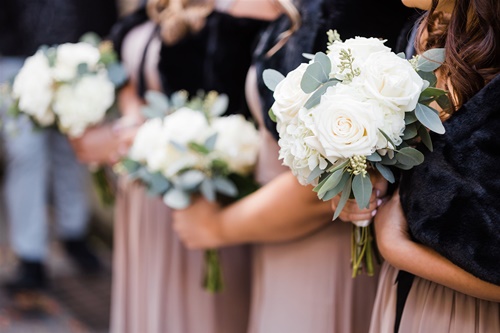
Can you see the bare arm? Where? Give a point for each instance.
(281, 210)
(267, 10)
(397, 248)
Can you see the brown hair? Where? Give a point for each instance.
(471, 37)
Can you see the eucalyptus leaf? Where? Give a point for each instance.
(362, 188)
(316, 97)
(325, 62)
(271, 78)
(157, 101)
(431, 60)
(150, 113)
(314, 174)
(425, 137)
(158, 184)
(308, 56)
(82, 69)
(313, 78)
(179, 146)
(386, 160)
(410, 131)
(337, 189)
(130, 166)
(444, 102)
(272, 116)
(375, 157)
(220, 106)
(177, 199)
(338, 166)
(346, 192)
(91, 38)
(410, 118)
(429, 77)
(432, 92)
(226, 187)
(117, 74)
(190, 179)
(403, 166)
(144, 175)
(331, 182)
(385, 172)
(211, 141)
(179, 99)
(389, 140)
(207, 189)
(429, 118)
(409, 156)
(196, 147)
(402, 55)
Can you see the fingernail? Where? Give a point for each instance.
(379, 202)
(374, 213)
(378, 193)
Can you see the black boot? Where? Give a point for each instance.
(82, 256)
(31, 276)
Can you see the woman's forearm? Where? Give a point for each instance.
(280, 211)
(266, 10)
(428, 264)
(129, 102)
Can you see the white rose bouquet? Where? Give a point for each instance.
(357, 108)
(71, 86)
(193, 150)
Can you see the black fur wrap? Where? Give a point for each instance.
(452, 200)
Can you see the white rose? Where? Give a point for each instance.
(147, 140)
(33, 87)
(186, 125)
(288, 95)
(237, 142)
(361, 48)
(391, 80)
(70, 55)
(345, 127)
(295, 151)
(83, 104)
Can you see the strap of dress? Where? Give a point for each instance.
(141, 77)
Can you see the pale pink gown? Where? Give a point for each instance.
(431, 307)
(156, 281)
(304, 285)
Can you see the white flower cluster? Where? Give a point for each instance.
(55, 92)
(163, 145)
(350, 115)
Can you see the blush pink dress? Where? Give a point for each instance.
(156, 281)
(304, 285)
(431, 307)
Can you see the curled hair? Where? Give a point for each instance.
(295, 21)
(178, 18)
(472, 43)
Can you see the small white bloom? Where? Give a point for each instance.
(288, 95)
(186, 125)
(147, 140)
(33, 87)
(70, 55)
(83, 104)
(237, 142)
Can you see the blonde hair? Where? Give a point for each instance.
(293, 14)
(178, 18)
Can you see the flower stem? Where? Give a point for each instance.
(362, 251)
(213, 274)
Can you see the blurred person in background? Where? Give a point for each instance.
(157, 282)
(40, 163)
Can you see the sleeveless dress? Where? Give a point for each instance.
(431, 307)
(304, 285)
(156, 281)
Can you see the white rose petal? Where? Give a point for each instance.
(186, 125)
(70, 55)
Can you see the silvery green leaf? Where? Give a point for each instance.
(211, 141)
(272, 116)
(157, 101)
(179, 99)
(271, 78)
(431, 60)
(91, 38)
(425, 137)
(325, 62)
(314, 174)
(362, 188)
(220, 106)
(409, 156)
(316, 97)
(431, 92)
(151, 113)
(410, 131)
(207, 189)
(346, 192)
(313, 78)
(403, 166)
(177, 199)
(82, 69)
(308, 56)
(385, 172)
(338, 166)
(130, 166)
(225, 186)
(158, 184)
(196, 147)
(179, 146)
(144, 175)
(375, 157)
(410, 118)
(402, 55)
(190, 179)
(429, 77)
(444, 102)
(389, 140)
(386, 160)
(117, 74)
(336, 190)
(429, 118)
(331, 182)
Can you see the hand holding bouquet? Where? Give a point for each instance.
(193, 150)
(360, 107)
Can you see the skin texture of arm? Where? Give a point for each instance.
(266, 10)
(400, 251)
(281, 210)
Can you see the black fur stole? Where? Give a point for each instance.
(452, 200)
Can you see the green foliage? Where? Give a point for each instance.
(316, 97)
(385, 172)
(362, 189)
(429, 118)
(409, 157)
(431, 60)
(272, 78)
